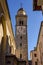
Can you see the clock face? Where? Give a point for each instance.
(21, 30)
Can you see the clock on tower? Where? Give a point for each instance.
(21, 30)
(21, 35)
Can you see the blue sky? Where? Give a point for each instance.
(33, 22)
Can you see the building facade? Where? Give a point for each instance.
(40, 45)
(33, 55)
(21, 35)
(37, 54)
(7, 41)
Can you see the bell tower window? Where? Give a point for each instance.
(20, 37)
(20, 44)
(20, 22)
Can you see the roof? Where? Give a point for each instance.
(21, 11)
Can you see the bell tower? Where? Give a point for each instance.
(21, 35)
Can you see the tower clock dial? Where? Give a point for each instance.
(21, 30)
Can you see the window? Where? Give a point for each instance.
(35, 55)
(10, 49)
(8, 62)
(36, 63)
(20, 56)
(20, 44)
(20, 37)
(20, 22)
(42, 35)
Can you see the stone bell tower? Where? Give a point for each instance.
(21, 35)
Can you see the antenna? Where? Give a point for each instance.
(21, 5)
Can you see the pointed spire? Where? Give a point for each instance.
(21, 5)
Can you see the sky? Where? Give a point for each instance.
(33, 21)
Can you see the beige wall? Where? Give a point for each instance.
(1, 32)
(38, 55)
(33, 56)
(39, 48)
(8, 25)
